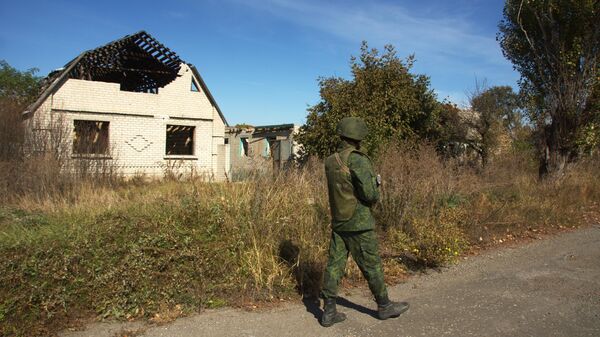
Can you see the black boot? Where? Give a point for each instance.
(389, 309)
(330, 313)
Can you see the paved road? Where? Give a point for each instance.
(546, 288)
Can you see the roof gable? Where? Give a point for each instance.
(138, 62)
(207, 92)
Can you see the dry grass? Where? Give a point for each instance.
(164, 249)
(134, 250)
(35, 161)
(435, 208)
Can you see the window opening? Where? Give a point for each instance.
(90, 137)
(266, 148)
(180, 140)
(244, 147)
(194, 86)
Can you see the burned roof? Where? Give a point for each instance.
(138, 62)
(277, 127)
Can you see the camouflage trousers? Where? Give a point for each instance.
(365, 251)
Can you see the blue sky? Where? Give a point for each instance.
(261, 59)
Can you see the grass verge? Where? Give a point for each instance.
(165, 249)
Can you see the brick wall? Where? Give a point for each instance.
(138, 122)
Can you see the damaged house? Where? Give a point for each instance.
(262, 147)
(135, 103)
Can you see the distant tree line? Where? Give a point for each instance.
(553, 44)
(398, 105)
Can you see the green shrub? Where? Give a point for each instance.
(162, 249)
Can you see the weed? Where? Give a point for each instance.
(169, 248)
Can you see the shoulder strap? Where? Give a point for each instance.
(360, 153)
(344, 167)
(345, 154)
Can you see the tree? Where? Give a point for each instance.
(394, 103)
(497, 110)
(554, 44)
(19, 86)
(17, 89)
(453, 132)
(588, 137)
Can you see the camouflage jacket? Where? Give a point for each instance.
(365, 190)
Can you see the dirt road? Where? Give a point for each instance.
(546, 288)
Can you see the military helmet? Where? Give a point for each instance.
(353, 128)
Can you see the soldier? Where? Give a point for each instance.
(353, 190)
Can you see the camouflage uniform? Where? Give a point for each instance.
(353, 223)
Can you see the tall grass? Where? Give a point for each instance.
(35, 159)
(141, 248)
(423, 194)
(131, 251)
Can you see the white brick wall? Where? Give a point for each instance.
(138, 122)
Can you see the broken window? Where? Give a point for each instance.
(266, 151)
(194, 86)
(180, 140)
(90, 137)
(244, 147)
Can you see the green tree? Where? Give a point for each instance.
(554, 44)
(17, 90)
(496, 110)
(588, 137)
(394, 103)
(453, 131)
(21, 87)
